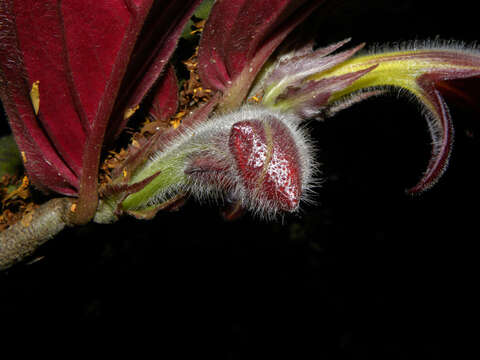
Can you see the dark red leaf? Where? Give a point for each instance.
(155, 46)
(240, 35)
(74, 50)
(78, 53)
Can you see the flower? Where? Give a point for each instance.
(305, 83)
(73, 73)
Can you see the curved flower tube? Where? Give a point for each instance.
(423, 70)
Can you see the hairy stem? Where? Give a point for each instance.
(23, 238)
(171, 167)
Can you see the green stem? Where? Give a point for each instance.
(171, 178)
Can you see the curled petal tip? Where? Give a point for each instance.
(423, 73)
(442, 132)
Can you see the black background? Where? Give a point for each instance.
(369, 272)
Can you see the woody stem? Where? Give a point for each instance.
(23, 238)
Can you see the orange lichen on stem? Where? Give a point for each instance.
(193, 92)
(191, 95)
(15, 204)
(256, 99)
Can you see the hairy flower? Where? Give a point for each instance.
(256, 156)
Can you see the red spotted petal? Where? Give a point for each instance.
(268, 162)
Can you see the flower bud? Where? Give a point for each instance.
(267, 161)
(256, 157)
